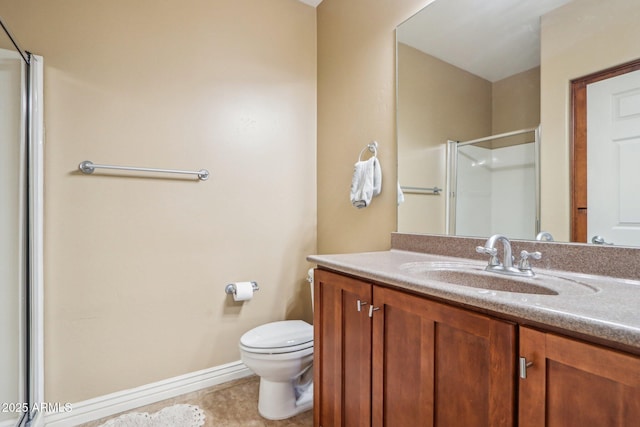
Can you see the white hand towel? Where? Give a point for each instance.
(366, 182)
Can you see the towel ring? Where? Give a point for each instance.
(373, 147)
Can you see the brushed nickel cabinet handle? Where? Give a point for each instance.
(523, 367)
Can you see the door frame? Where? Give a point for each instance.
(578, 145)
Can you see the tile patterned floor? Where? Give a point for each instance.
(233, 404)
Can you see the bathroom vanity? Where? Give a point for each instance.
(414, 336)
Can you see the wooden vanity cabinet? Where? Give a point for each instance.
(403, 360)
(573, 383)
(342, 351)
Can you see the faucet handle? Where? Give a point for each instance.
(485, 250)
(524, 259)
(493, 252)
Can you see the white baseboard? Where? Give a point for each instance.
(110, 404)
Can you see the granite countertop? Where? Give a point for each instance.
(603, 308)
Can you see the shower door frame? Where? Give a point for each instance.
(32, 327)
(35, 149)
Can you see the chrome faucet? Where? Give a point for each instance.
(506, 266)
(544, 236)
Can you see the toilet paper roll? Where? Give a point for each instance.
(244, 291)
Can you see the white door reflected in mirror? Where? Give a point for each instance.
(613, 160)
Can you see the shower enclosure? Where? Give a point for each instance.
(493, 185)
(20, 231)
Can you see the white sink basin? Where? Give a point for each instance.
(474, 276)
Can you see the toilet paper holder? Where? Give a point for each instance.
(231, 288)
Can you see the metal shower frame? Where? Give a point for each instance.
(33, 341)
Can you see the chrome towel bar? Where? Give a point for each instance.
(88, 167)
(421, 190)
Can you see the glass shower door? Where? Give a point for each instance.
(13, 233)
(493, 186)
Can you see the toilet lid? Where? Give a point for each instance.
(284, 334)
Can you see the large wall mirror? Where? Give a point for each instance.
(493, 80)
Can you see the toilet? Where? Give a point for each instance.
(281, 354)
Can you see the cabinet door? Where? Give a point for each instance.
(436, 365)
(572, 383)
(342, 351)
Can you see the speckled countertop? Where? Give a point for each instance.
(603, 308)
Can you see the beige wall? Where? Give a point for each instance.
(436, 102)
(516, 102)
(136, 266)
(578, 39)
(356, 104)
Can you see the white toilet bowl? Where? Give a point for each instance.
(279, 353)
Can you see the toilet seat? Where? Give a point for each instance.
(278, 337)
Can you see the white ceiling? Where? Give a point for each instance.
(313, 3)
(492, 39)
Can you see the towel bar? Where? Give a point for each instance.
(88, 167)
(421, 190)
